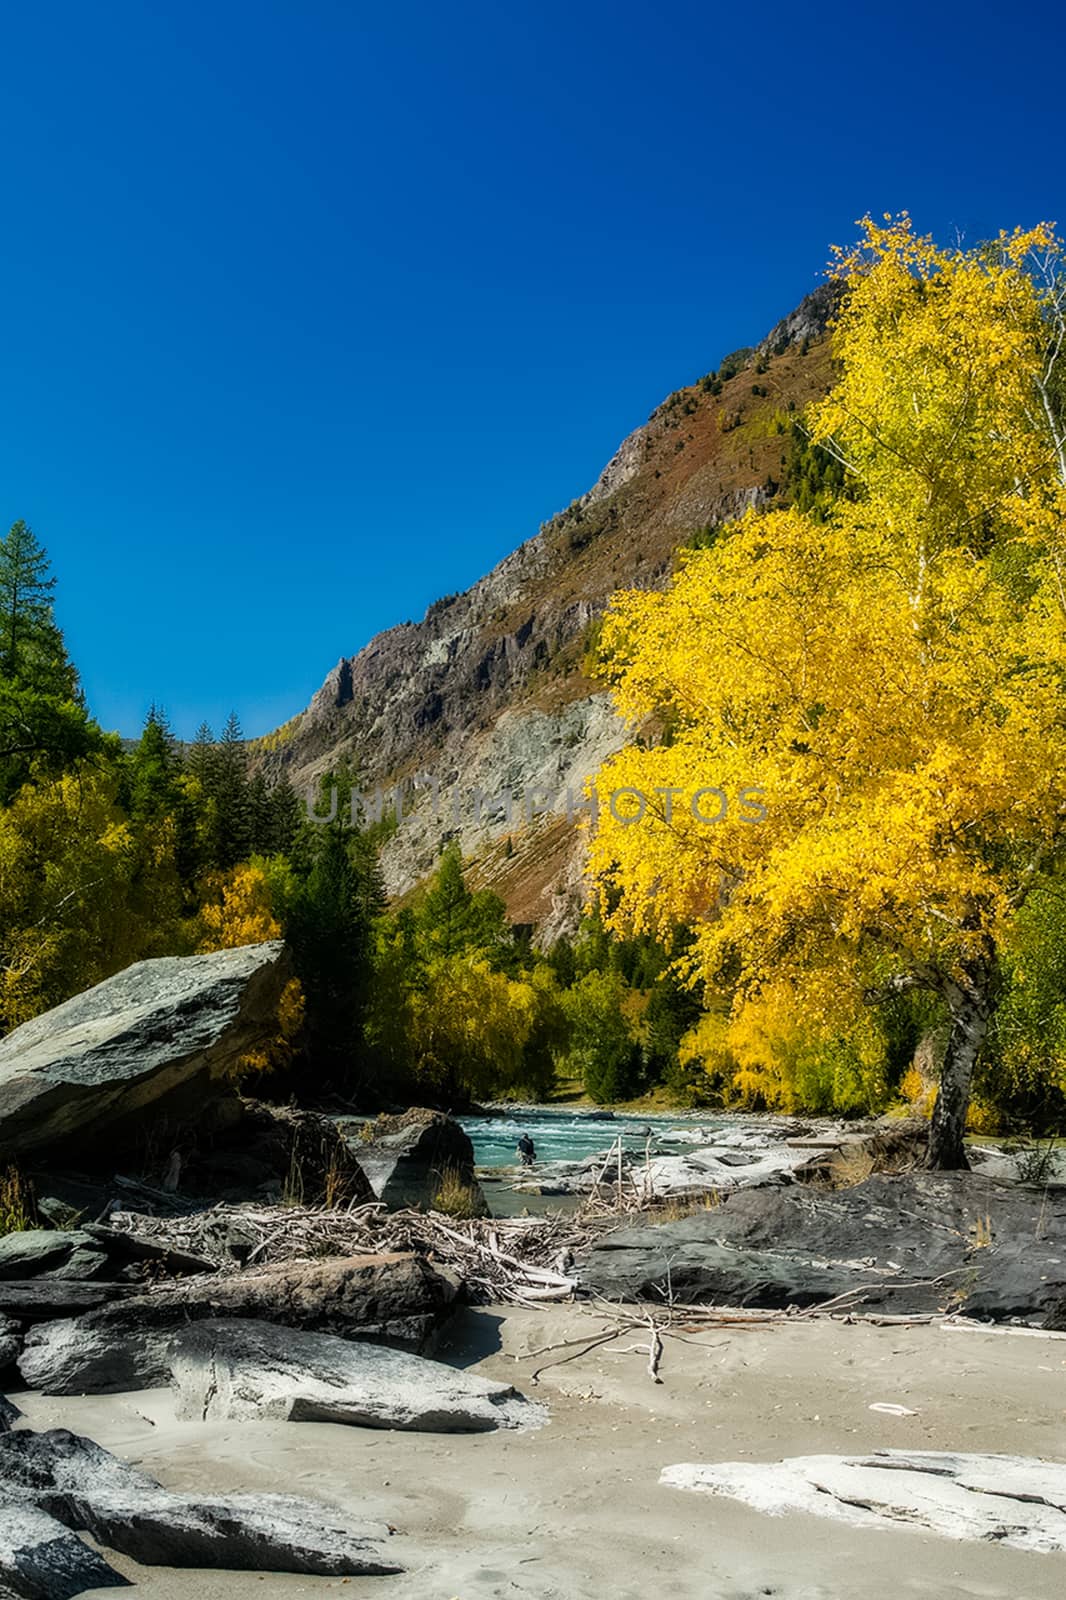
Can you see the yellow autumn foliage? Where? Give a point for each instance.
(891, 680)
(237, 909)
(80, 895)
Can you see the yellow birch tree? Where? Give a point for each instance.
(892, 679)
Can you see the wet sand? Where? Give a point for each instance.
(574, 1511)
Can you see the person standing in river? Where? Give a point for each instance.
(527, 1150)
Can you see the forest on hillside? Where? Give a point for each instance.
(885, 656)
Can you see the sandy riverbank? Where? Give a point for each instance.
(575, 1512)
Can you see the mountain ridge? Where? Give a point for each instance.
(489, 691)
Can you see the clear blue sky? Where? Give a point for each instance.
(315, 310)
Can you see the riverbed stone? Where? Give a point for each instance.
(407, 1157)
(40, 1559)
(53, 1253)
(242, 1370)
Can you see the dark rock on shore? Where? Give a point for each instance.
(409, 1156)
(46, 1299)
(268, 1151)
(399, 1299)
(42, 1560)
(914, 1243)
(153, 1043)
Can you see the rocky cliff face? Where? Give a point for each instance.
(488, 694)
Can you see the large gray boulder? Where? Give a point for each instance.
(161, 1036)
(408, 1157)
(400, 1298)
(84, 1488)
(238, 1370)
(913, 1243)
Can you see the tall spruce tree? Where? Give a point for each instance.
(42, 717)
(32, 653)
(327, 922)
(454, 920)
(155, 768)
(228, 791)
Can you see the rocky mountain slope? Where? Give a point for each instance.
(489, 693)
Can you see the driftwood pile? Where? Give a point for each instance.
(516, 1260)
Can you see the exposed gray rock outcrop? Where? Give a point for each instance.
(916, 1242)
(86, 1489)
(225, 1371)
(809, 321)
(1011, 1500)
(399, 1298)
(159, 1037)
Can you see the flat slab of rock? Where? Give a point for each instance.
(237, 1370)
(1002, 1499)
(913, 1243)
(161, 1035)
(45, 1252)
(40, 1559)
(400, 1299)
(60, 1476)
(44, 1299)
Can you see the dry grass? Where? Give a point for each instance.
(17, 1210)
(454, 1198)
(335, 1191)
(851, 1165)
(686, 1206)
(981, 1233)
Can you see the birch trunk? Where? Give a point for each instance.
(970, 1004)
